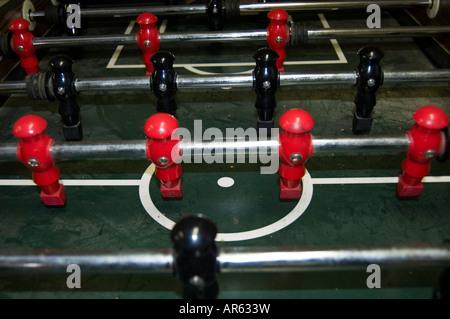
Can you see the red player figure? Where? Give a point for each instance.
(426, 142)
(148, 38)
(278, 34)
(22, 44)
(160, 150)
(34, 151)
(295, 148)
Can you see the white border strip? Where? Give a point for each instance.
(75, 182)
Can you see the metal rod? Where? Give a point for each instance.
(219, 36)
(134, 83)
(84, 40)
(8, 152)
(214, 36)
(164, 37)
(99, 150)
(331, 5)
(291, 79)
(350, 144)
(395, 32)
(246, 80)
(238, 80)
(245, 8)
(13, 86)
(331, 258)
(416, 76)
(190, 149)
(135, 11)
(232, 259)
(213, 81)
(155, 261)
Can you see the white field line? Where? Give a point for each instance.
(315, 181)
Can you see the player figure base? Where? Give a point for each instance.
(361, 125)
(405, 190)
(73, 133)
(55, 199)
(290, 193)
(172, 192)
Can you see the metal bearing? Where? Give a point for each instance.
(433, 10)
(27, 9)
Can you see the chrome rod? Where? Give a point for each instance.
(98, 150)
(219, 36)
(246, 80)
(135, 11)
(331, 5)
(8, 152)
(13, 86)
(213, 36)
(213, 81)
(394, 32)
(361, 144)
(441, 75)
(289, 79)
(134, 83)
(232, 259)
(86, 150)
(245, 8)
(332, 258)
(41, 42)
(238, 80)
(84, 40)
(48, 260)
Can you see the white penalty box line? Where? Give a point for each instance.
(112, 64)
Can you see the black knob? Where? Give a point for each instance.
(196, 263)
(369, 80)
(163, 82)
(266, 81)
(63, 80)
(216, 14)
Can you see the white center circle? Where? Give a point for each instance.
(225, 182)
(299, 209)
